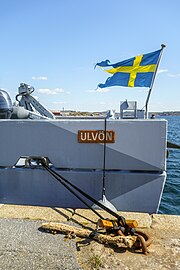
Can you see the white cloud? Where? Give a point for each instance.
(47, 91)
(103, 90)
(40, 78)
(99, 90)
(91, 91)
(58, 90)
(143, 90)
(162, 71)
(174, 75)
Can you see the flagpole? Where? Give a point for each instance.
(153, 79)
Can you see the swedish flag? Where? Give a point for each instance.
(134, 72)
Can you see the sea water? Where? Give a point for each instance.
(170, 203)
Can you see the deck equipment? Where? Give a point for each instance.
(119, 226)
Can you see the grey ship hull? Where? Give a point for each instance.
(135, 162)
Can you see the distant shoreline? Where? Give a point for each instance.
(169, 113)
(81, 113)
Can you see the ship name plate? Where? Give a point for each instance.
(96, 136)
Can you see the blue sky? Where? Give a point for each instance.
(53, 45)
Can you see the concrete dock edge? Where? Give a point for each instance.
(164, 229)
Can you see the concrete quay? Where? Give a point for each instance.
(24, 246)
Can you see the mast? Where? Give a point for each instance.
(152, 83)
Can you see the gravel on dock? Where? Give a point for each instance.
(23, 246)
